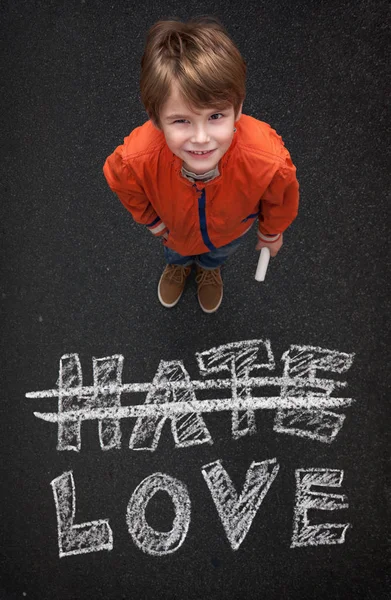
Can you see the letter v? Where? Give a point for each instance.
(237, 513)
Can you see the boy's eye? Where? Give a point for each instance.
(215, 114)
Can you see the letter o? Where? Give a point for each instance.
(144, 536)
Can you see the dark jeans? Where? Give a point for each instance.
(208, 260)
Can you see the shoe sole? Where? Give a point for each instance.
(212, 310)
(161, 299)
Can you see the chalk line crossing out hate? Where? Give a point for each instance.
(301, 405)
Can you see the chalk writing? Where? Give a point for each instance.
(239, 359)
(236, 512)
(187, 430)
(77, 539)
(145, 537)
(305, 534)
(302, 406)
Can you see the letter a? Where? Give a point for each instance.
(171, 383)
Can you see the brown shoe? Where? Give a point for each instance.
(210, 289)
(171, 284)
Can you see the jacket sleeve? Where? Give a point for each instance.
(121, 179)
(279, 203)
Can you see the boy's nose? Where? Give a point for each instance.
(200, 135)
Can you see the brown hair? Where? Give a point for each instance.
(200, 57)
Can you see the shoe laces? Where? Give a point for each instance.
(177, 273)
(209, 277)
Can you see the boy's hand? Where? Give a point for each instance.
(273, 246)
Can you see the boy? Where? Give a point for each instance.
(199, 172)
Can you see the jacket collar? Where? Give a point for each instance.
(204, 177)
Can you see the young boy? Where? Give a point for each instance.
(193, 87)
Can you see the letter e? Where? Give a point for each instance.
(305, 534)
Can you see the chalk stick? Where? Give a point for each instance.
(263, 262)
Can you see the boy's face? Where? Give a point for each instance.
(205, 130)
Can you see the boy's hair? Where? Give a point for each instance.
(200, 57)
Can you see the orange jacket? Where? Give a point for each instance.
(256, 179)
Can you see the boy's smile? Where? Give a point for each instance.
(204, 159)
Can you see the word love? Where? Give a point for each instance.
(301, 406)
(236, 512)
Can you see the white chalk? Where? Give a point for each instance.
(237, 512)
(263, 262)
(91, 536)
(304, 404)
(306, 533)
(150, 541)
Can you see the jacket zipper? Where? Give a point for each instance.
(202, 219)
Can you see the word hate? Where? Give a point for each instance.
(301, 406)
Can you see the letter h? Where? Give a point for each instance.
(79, 401)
